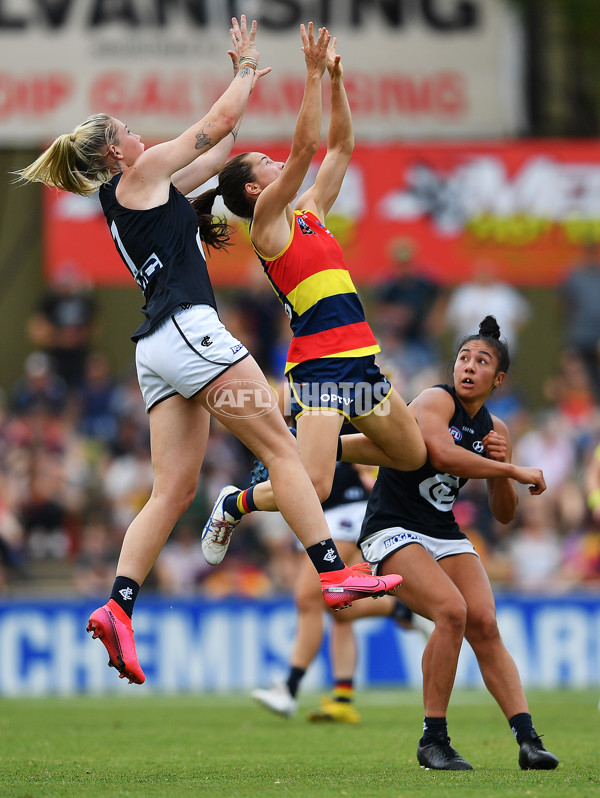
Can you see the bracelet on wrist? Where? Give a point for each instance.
(249, 62)
(593, 499)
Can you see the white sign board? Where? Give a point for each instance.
(413, 68)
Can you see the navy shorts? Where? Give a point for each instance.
(352, 386)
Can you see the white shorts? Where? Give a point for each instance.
(184, 354)
(379, 546)
(345, 521)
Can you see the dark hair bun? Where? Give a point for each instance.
(489, 328)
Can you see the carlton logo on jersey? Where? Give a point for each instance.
(440, 490)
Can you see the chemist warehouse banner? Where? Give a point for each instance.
(529, 206)
(221, 646)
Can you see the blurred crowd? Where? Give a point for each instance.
(75, 461)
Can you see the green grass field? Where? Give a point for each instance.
(214, 745)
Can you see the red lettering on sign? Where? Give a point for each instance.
(117, 94)
(441, 94)
(293, 92)
(33, 95)
(362, 95)
(108, 92)
(451, 93)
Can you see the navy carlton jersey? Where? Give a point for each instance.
(161, 248)
(422, 500)
(347, 487)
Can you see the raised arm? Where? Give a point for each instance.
(212, 161)
(433, 410)
(206, 165)
(274, 198)
(340, 143)
(150, 177)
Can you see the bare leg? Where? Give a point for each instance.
(178, 433)
(343, 651)
(261, 427)
(497, 667)
(343, 641)
(267, 435)
(310, 606)
(426, 589)
(389, 437)
(317, 440)
(393, 438)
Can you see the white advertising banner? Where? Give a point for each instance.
(413, 68)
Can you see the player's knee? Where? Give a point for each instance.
(412, 456)
(309, 601)
(453, 615)
(322, 486)
(182, 495)
(483, 628)
(284, 448)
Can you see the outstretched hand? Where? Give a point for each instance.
(244, 44)
(334, 61)
(315, 52)
(245, 47)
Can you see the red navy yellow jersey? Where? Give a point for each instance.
(311, 280)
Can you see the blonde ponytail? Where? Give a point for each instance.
(78, 161)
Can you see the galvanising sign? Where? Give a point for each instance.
(442, 68)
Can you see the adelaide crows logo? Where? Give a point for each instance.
(304, 228)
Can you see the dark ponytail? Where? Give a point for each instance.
(232, 187)
(490, 331)
(232, 182)
(215, 232)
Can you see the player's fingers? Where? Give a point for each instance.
(252, 35)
